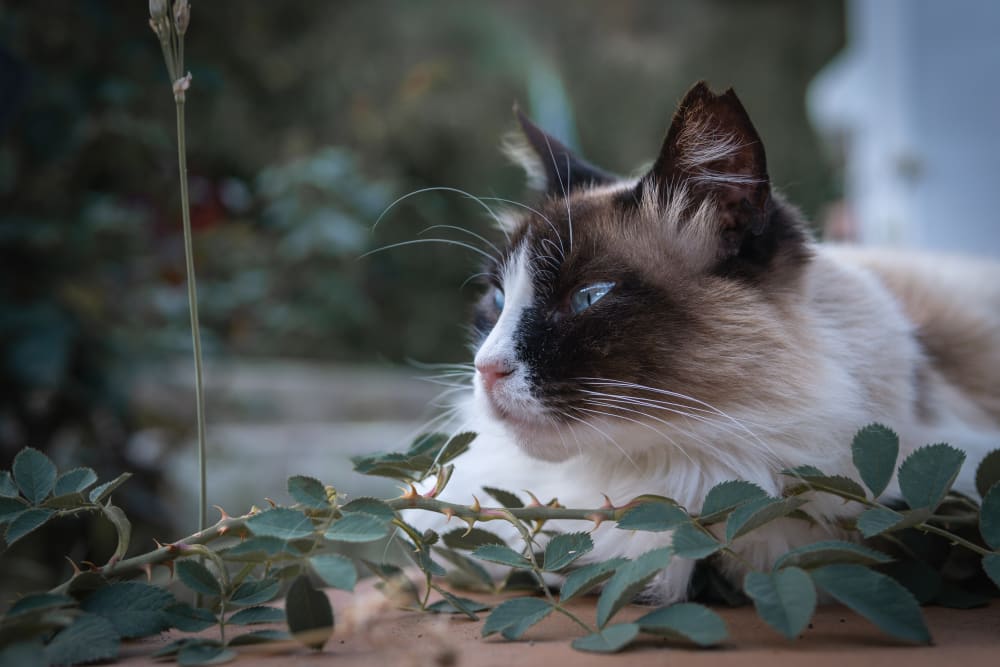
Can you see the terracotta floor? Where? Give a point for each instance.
(368, 634)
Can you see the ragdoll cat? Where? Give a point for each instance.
(667, 333)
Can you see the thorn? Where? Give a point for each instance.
(476, 507)
(411, 493)
(170, 566)
(608, 505)
(271, 502)
(76, 569)
(159, 545)
(91, 566)
(254, 510)
(222, 512)
(534, 499)
(223, 530)
(597, 518)
(148, 569)
(472, 524)
(448, 512)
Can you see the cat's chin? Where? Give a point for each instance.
(538, 437)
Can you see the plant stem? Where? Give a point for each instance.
(955, 539)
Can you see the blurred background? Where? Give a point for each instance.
(306, 120)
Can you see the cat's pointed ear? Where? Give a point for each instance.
(713, 151)
(551, 166)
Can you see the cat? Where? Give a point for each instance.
(666, 333)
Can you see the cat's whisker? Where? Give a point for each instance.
(442, 188)
(536, 212)
(606, 436)
(468, 280)
(645, 425)
(480, 237)
(461, 244)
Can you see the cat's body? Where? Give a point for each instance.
(667, 334)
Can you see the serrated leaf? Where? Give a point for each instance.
(877, 520)
(186, 618)
(498, 553)
(928, 473)
(757, 513)
(255, 592)
(877, 597)
(310, 616)
(123, 528)
(686, 620)
(875, 449)
(830, 552)
(611, 639)
(7, 487)
(39, 602)
(690, 542)
(25, 523)
(372, 506)
(90, 638)
(193, 655)
(259, 547)
(134, 609)
(505, 498)
(358, 527)
(723, 498)
(335, 570)
(65, 501)
(836, 484)
(197, 577)
(654, 517)
(427, 444)
(989, 517)
(587, 577)
(987, 473)
(255, 615)
(99, 493)
(258, 637)
(628, 580)
(563, 550)
(10, 508)
(475, 575)
(74, 481)
(456, 446)
(281, 522)
(512, 618)
(469, 539)
(785, 599)
(423, 560)
(308, 491)
(991, 565)
(453, 604)
(35, 474)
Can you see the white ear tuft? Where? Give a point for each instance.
(517, 149)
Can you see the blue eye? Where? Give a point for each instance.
(498, 298)
(585, 297)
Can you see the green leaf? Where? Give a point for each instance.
(563, 550)
(186, 618)
(686, 620)
(25, 523)
(174, 647)
(927, 474)
(427, 444)
(653, 516)
(193, 655)
(74, 481)
(513, 617)
(260, 637)
(135, 609)
(27, 653)
(281, 522)
(877, 597)
(423, 560)
(452, 604)
(458, 445)
(609, 640)
(875, 449)
(197, 577)
(310, 616)
(987, 474)
(253, 592)
(335, 570)
(628, 580)
(99, 493)
(470, 538)
(308, 491)
(358, 528)
(877, 520)
(35, 474)
(830, 552)
(39, 602)
(123, 527)
(991, 565)
(65, 501)
(373, 506)
(756, 513)
(989, 517)
(837, 484)
(10, 508)
(467, 573)
(723, 498)
(7, 487)
(582, 580)
(505, 498)
(257, 548)
(690, 542)
(497, 553)
(785, 599)
(255, 615)
(89, 639)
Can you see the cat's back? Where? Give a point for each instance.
(953, 303)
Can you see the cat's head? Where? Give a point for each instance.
(640, 306)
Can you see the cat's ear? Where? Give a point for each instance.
(713, 151)
(551, 166)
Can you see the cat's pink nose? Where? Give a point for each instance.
(494, 370)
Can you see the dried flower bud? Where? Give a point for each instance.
(157, 8)
(182, 16)
(430, 537)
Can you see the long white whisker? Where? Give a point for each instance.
(466, 231)
(608, 437)
(467, 246)
(645, 425)
(442, 188)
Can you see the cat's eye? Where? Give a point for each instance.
(498, 298)
(587, 296)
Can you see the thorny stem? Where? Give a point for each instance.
(955, 539)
